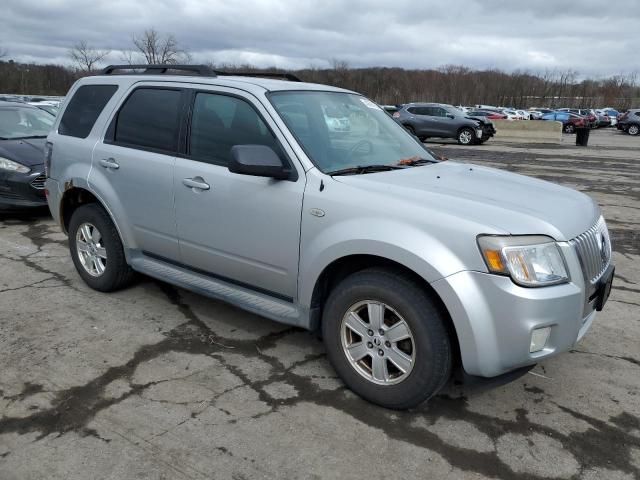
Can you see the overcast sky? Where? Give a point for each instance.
(593, 37)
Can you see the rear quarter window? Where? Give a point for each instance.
(83, 109)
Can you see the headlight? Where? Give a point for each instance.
(6, 164)
(530, 260)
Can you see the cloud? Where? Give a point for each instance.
(591, 37)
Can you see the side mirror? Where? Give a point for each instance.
(450, 116)
(257, 160)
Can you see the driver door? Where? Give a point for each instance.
(239, 228)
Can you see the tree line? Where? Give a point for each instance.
(454, 84)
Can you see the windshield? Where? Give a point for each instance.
(24, 122)
(343, 130)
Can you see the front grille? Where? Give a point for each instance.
(38, 182)
(594, 251)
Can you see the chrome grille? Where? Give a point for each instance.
(38, 182)
(594, 251)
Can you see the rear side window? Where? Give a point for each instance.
(149, 120)
(84, 108)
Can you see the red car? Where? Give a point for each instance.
(570, 121)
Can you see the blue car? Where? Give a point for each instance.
(23, 132)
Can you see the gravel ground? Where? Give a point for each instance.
(156, 382)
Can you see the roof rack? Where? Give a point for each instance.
(277, 75)
(203, 70)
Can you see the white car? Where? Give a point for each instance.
(524, 114)
(511, 114)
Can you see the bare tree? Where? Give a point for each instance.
(159, 49)
(85, 56)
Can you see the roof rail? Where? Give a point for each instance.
(277, 75)
(203, 70)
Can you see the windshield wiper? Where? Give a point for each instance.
(361, 169)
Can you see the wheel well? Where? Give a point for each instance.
(72, 199)
(337, 271)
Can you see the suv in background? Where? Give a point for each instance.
(237, 188)
(629, 121)
(439, 120)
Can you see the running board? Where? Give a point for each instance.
(258, 303)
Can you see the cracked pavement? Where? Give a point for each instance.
(156, 382)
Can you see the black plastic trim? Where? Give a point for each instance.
(219, 277)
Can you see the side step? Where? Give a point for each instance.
(258, 303)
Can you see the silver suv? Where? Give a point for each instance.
(248, 190)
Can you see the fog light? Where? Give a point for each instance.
(539, 339)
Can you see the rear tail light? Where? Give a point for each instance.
(48, 151)
(396, 115)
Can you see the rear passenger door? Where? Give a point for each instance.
(239, 228)
(133, 167)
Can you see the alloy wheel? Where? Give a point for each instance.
(91, 250)
(465, 137)
(378, 342)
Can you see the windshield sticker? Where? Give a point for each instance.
(369, 103)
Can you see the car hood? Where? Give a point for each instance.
(507, 202)
(28, 152)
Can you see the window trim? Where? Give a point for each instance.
(184, 146)
(109, 137)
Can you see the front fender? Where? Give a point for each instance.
(402, 243)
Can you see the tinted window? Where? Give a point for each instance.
(149, 119)
(84, 108)
(219, 122)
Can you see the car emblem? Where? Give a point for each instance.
(604, 251)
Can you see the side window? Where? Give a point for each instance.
(414, 110)
(219, 122)
(440, 112)
(84, 108)
(149, 120)
(637, 114)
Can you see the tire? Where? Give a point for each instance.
(633, 129)
(466, 136)
(569, 128)
(109, 271)
(411, 130)
(404, 300)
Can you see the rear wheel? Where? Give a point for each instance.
(411, 130)
(96, 249)
(633, 129)
(386, 338)
(465, 136)
(569, 128)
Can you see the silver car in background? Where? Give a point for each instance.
(239, 189)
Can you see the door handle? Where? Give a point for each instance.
(196, 182)
(109, 163)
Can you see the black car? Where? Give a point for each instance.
(23, 132)
(426, 120)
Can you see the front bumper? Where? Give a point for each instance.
(22, 190)
(494, 318)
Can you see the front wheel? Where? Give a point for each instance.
(386, 338)
(465, 136)
(569, 128)
(633, 130)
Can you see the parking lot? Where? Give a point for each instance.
(156, 382)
